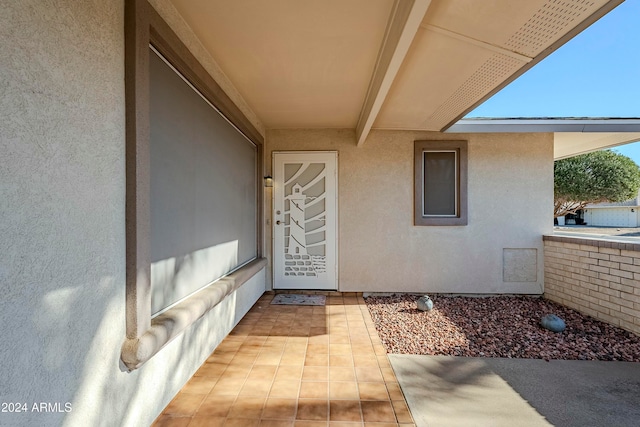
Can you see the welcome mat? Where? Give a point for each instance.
(297, 299)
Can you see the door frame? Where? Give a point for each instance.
(274, 280)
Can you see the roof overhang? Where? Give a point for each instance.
(572, 136)
(378, 64)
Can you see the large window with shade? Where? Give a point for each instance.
(440, 183)
(193, 199)
(204, 176)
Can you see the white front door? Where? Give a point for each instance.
(305, 220)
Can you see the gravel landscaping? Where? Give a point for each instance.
(502, 326)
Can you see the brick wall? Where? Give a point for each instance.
(599, 278)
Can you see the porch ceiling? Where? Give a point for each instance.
(392, 64)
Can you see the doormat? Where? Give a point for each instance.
(297, 299)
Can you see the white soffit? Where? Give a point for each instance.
(379, 63)
(296, 63)
(571, 136)
(569, 144)
(468, 49)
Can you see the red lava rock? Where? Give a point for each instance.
(501, 326)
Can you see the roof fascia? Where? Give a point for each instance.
(545, 125)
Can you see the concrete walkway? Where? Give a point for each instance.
(448, 391)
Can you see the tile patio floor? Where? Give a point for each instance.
(301, 366)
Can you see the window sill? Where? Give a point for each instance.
(168, 325)
(436, 221)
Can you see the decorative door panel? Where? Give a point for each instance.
(305, 220)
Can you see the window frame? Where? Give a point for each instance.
(146, 334)
(460, 147)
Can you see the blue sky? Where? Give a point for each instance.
(596, 74)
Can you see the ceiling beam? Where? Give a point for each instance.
(404, 22)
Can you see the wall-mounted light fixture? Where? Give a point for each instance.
(268, 181)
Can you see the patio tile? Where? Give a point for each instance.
(211, 370)
(313, 409)
(315, 373)
(184, 404)
(241, 422)
(345, 424)
(306, 423)
(337, 338)
(235, 372)
(377, 411)
(345, 410)
(247, 407)
(216, 406)
(342, 373)
(388, 375)
(314, 390)
(276, 423)
(343, 390)
(289, 373)
(244, 359)
(340, 348)
(316, 360)
(229, 386)
(402, 411)
(199, 421)
(199, 385)
(262, 372)
(172, 421)
(295, 366)
(288, 389)
(340, 360)
(293, 359)
(383, 361)
(317, 349)
(365, 360)
(256, 388)
(395, 393)
(373, 391)
(281, 409)
(369, 374)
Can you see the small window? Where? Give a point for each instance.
(440, 183)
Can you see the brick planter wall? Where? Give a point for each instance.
(600, 278)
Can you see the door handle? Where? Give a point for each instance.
(278, 222)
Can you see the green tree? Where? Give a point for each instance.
(597, 177)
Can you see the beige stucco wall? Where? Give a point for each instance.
(62, 226)
(510, 187)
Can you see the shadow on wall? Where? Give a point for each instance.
(107, 394)
(175, 278)
(71, 358)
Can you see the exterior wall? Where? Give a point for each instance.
(612, 216)
(62, 193)
(596, 277)
(380, 250)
